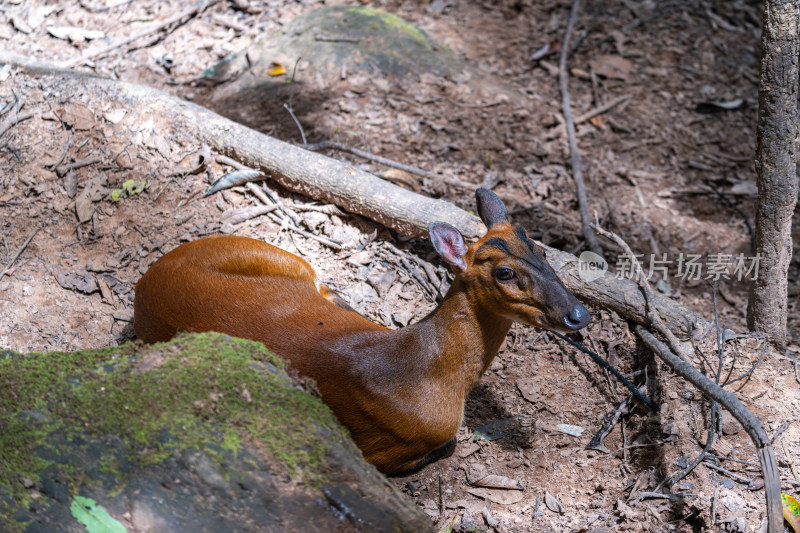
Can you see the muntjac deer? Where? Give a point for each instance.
(400, 392)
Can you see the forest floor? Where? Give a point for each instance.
(668, 169)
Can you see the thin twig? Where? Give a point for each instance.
(751, 424)
(64, 154)
(225, 160)
(734, 476)
(322, 145)
(575, 157)
(780, 431)
(602, 109)
(655, 318)
(299, 127)
(718, 458)
(441, 496)
(714, 505)
(190, 11)
(475, 106)
(607, 428)
(673, 479)
(19, 252)
(294, 71)
(720, 340)
(604, 364)
(662, 496)
(281, 218)
(749, 372)
(61, 171)
(242, 214)
(624, 444)
(13, 120)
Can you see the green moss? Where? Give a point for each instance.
(206, 392)
(392, 21)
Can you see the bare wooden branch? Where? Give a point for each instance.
(748, 420)
(574, 154)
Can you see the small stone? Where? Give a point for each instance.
(476, 472)
(465, 450)
(730, 426)
(468, 523)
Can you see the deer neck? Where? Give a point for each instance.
(459, 339)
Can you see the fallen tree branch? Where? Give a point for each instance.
(751, 424)
(574, 154)
(343, 184)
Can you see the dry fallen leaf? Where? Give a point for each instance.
(73, 34)
(501, 497)
(569, 429)
(105, 290)
(529, 389)
(78, 116)
(276, 70)
(791, 511)
(552, 503)
(77, 281)
(612, 66)
(95, 190)
(193, 163)
(448, 527)
(493, 481)
(400, 178)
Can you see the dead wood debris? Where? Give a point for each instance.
(19, 252)
(575, 157)
(683, 367)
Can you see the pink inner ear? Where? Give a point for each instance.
(449, 244)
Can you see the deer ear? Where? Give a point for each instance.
(490, 207)
(449, 244)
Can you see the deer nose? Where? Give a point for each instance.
(577, 318)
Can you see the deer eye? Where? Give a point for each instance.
(504, 274)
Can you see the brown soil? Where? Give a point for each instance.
(651, 165)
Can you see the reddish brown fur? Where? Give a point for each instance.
(400, 392)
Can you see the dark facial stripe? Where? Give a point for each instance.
(497, 242)
(519, 231)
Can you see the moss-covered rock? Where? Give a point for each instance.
(204, 433)
(354, 38)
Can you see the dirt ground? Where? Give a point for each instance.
(668, 170)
